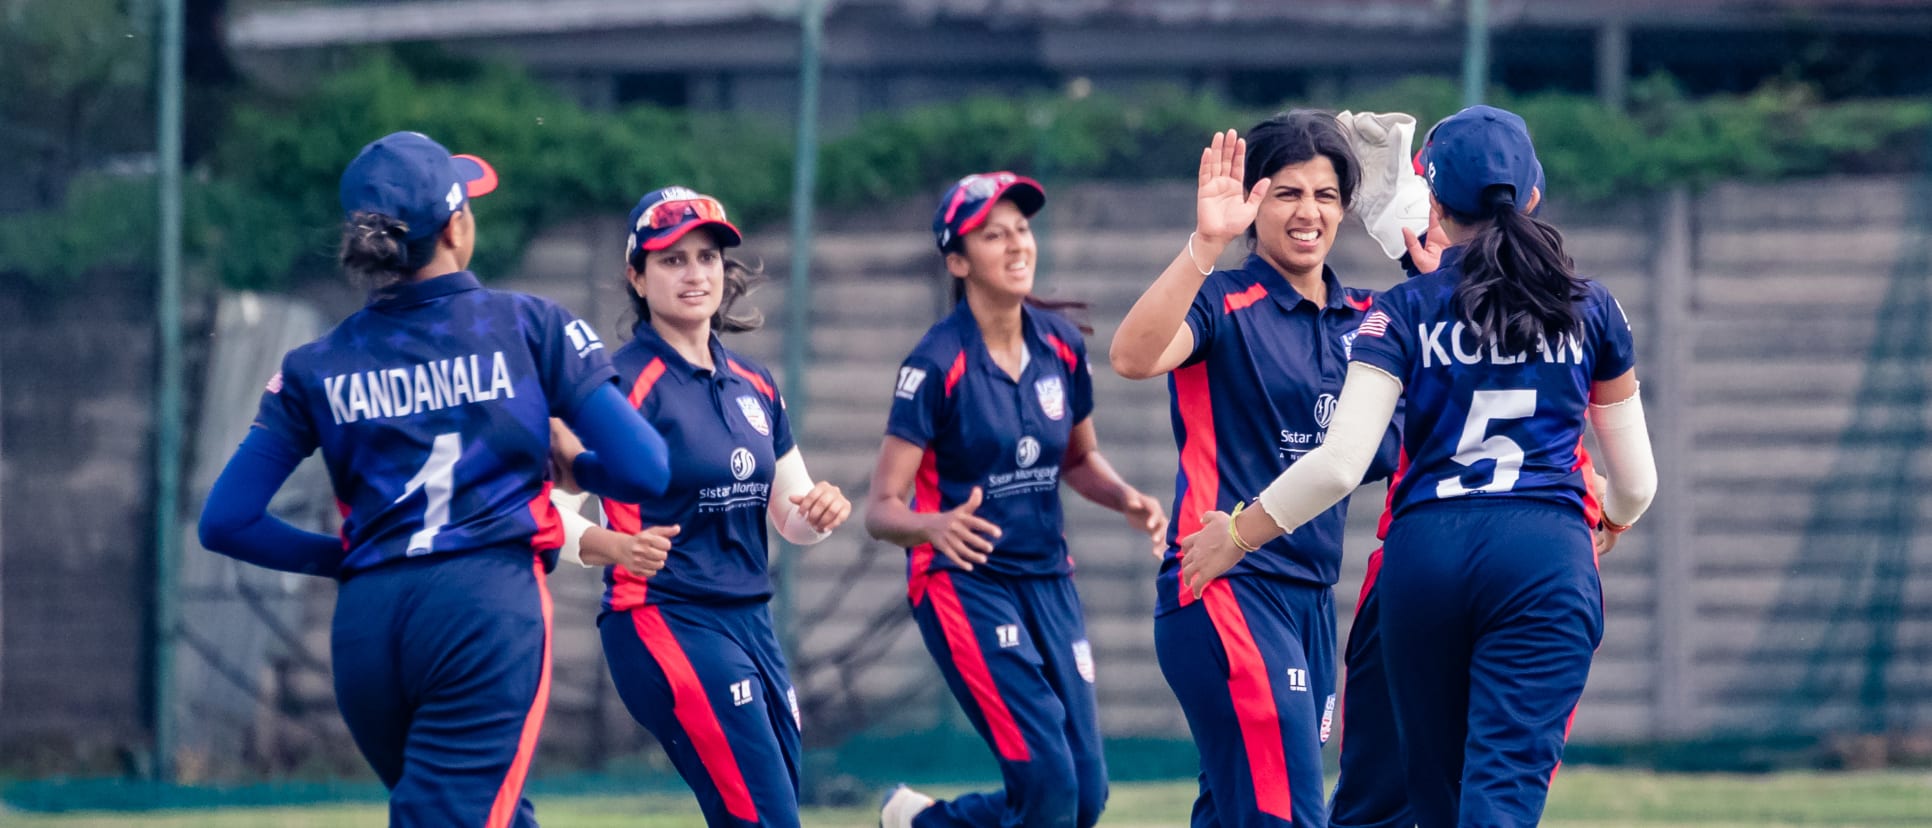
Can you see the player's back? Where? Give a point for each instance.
(1483, 418)
(431, 409)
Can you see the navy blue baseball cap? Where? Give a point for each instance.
(664, 216)
(965, 207)
(411, 178)
(1475, 149)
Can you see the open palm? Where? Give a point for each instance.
(1223, 208)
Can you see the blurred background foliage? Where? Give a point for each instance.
(261, 199)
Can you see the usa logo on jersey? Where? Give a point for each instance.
(754, 414)
(1053, 397)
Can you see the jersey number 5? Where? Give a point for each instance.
(437, 479)
(1485, 406)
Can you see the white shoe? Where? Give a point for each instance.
(900, 806)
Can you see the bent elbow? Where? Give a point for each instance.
(1126, 366)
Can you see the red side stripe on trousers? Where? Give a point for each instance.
(971, 664)
(1254, 701)
(694, 713)
(504, 809)
(1566, 740)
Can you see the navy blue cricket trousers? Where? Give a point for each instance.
(709, 681)
(442, 672)
(1252, 663)
(1014, 651)
(1372, 791)
(1491, 613)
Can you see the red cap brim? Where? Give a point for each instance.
(479, 178)
(731, 236)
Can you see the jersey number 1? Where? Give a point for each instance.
(1485, 406)
(437, 479)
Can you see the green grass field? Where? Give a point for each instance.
(1583, 798)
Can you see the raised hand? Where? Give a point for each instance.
(1223, 208)
(960, 535)
(824, 507)
(1426, 255)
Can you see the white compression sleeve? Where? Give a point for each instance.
(790, 479)
(1321, 478)
(570, 507)
(1626, 456)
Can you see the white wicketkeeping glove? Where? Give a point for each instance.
(1390, 196)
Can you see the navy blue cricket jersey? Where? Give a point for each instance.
(431, 407)
(726, 429)
(1266, 370)
(1480, 421)
(982, 428)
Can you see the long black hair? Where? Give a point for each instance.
(1518, 286)
(739, 279)
(377, 254)
(1296, 136)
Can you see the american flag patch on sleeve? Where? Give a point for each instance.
(1376, 324)
(275, 383)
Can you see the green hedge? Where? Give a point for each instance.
(261, 212)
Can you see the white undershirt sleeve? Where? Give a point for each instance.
(1626, 456)
(1321, 478)
(790, 479)
(570, 507)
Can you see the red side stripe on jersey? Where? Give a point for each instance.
(1254, 701)
(627, 591)
(1388, 502)
(1592, 499)
(1361, 304)
(971, 664)
(751, 376)
(550, 531)
(1236, 301)
(954, 373)
(1065, 351)
(645, 380)
(504, 809)
(342, 509)
(694, 712)
(925, 498)
(1200, 462)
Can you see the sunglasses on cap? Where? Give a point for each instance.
(673, 213)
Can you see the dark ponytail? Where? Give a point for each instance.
(739, 280)
(376, 252)
(1518, 286)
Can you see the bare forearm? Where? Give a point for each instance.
(1095, 479)
(1150, 326)
(890, 520)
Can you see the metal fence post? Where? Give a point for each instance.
(1667, 373)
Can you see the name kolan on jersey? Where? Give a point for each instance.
(1568, 348)
(429, 386)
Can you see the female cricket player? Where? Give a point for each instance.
(1491, 605)
(989, 413)
(431, 407)
(691, 647)
(1255, 357)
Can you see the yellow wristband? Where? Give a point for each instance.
(1235, 534)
